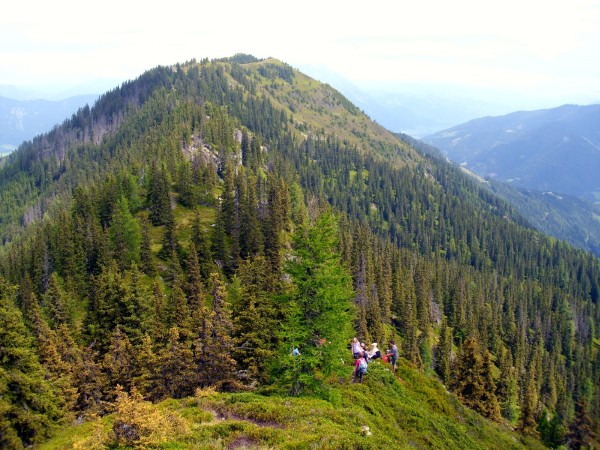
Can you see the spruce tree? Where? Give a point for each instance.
(176, 364)
(56, 302)
(255, 319)
(91, 384)
(319, 313)
(443, 352)
(202, 246)
(219, 364)
(472, 381)
(29, 405)
(147, 377)
(158, 199)
(146, 261)
(125, 235)
(119, 361)
(361, 301)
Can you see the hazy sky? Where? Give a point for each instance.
(548, 49)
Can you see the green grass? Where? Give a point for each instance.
(411, 410)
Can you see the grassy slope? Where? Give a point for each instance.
(412, 411)
(320, 106)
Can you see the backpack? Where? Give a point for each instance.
(362, 365)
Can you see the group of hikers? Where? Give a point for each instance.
(362, 356)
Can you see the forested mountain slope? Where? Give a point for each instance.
(202, 220)
(563, 216)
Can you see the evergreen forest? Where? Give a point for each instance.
(181, 237)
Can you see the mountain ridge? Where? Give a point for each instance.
(187, 201)
(554, 149)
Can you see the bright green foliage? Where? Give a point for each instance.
(125, 235)
(318, 309)
(28, 404)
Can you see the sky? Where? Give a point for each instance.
(544, 50)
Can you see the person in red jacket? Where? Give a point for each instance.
(360, 368)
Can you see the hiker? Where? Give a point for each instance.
(365, 353)
(356, 348)
(375, 353)
(295, 352)
(360, 368)
(392, 354)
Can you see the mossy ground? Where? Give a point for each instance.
(410, 410)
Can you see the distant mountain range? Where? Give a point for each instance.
(21, 120)
(554, 150)
(543, 162)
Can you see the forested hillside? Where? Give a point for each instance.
(201, 221)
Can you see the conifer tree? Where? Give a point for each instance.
(202, 245)
(581, 432)
(108, 306)
(245, 148)
(361, 301)
(411, 343)
(185, 185)
(218, 346)
(443, 352)
(276, 223)
(527, 419)
(29, 405)
(472, 381)
(507, 387)
(374, 320)
(195, 287)
(255, 319)
(318, 311)
(251, 240)
(181, 317)
(119, 361)
(491, 407)
(158, 199)
(146, 261)
(148, 371)
(177, 366)
(125, 235)
(53, 357)
(160, 317)
(56, 302)
(91, 384)
(135, 319)
(169, 241)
